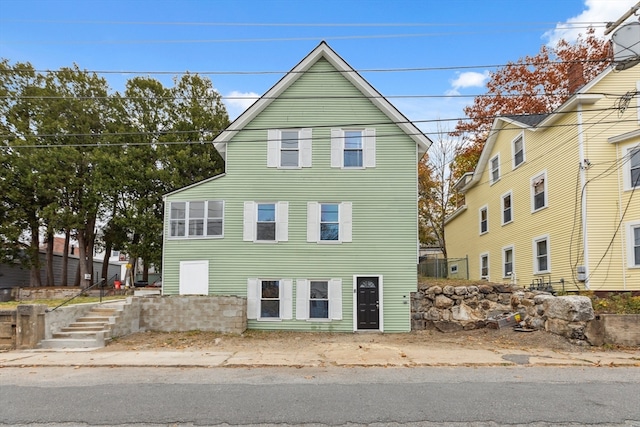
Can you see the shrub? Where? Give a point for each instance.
(616, 303)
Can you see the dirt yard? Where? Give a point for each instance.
(475, 339)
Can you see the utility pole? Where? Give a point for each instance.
(613, 25)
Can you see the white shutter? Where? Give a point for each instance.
(286, 299)
(302, 299)
(306, 147)
(346, 223)
(282, 222)
(249, 221)
(253, 299)
(312, 222)
(335, 299)
(370, 148)
(273, 148)
(337, 137)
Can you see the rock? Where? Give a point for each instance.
(473, 289)
(541, 298)
(448, 326)
(569, 308)
(460, 290)
(448, 290)
(485, 289)
(432, 314)
(443, 302)
(464, 313)
(500, 288)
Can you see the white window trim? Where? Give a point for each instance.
(482, 255)
(535, 254)
(483, 208)
(491, 169)
(540, 175)
(251, 220)
(504, 261)
(513, 151)
(626, 179)
(303, 299)
(274, 148)
(254, 297)
(630, 241)
(345, 218)
(510, 194)
(368, 148)
(186, 220)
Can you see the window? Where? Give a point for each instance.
(634, 167)
(507, 215)
(196, 219)
(266, 222)
(495, 169)
(453, 269)
(269, 299)
(289, 149)
(539, 192)
(507, 261)
(541, 252)
(633, 239)
(518, 151)
(484, 266)
(353, 148)
(484, 220)
(319, 299)
(329, 222)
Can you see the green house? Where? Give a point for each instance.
(315, 219)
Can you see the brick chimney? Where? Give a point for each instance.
(576, 77)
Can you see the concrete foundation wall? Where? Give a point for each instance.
(616, 329)
(7, 329)
(187, 313)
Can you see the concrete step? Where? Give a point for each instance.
(95, 342)
(88, 326)
(79, 334)
(93, 319)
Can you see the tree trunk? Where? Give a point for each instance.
(105, 260)
(51, 280)
(34, 249)
(65, 259)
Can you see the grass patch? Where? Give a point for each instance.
(11, 305)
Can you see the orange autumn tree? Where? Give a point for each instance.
(531, 85)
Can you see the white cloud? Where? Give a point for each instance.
(596, 13)
(236, 102)
(467, 79)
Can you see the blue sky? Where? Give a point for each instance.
(462, 36)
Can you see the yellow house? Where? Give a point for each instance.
(555, 198)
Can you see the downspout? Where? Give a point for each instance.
(583, 207)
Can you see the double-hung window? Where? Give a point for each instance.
(542, 263)
(633, 239)
(484, 220)
(319, 299)
(353, 148)
(539, 192)
(507, 261)
(270, 299)
(266, 222)
(495, 169)
(289, 149)
(518, 151)
(196, 219)
(329, 222)
(634, 167)
(507, 209)
(484, 266)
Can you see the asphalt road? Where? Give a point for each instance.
(320, 396)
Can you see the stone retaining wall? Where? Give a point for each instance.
(7, 329)
(452, 308)
(26, 294)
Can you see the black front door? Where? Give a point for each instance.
(368, 303)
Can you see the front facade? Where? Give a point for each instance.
(554, 197)
(315, 219)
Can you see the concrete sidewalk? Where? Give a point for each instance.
(333, 354)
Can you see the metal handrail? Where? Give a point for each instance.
(102, 282)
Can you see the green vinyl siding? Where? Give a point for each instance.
(384, 206)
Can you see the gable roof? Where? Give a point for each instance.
(323, 51)
(532, 122)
